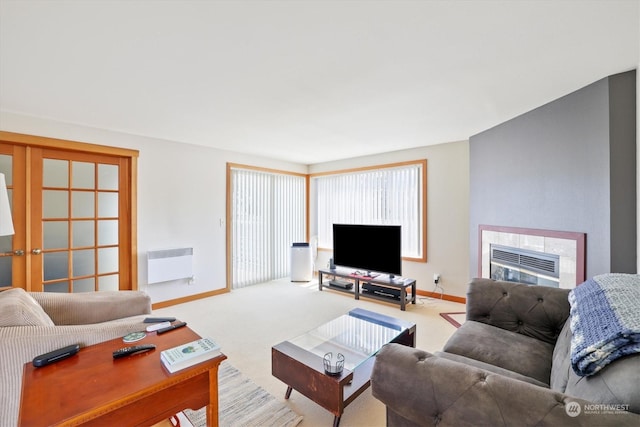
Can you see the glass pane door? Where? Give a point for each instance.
(79, 217)
(6, 242)
(74, 211)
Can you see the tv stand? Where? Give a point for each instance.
(385, 288)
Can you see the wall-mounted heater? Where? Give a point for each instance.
(169, 264)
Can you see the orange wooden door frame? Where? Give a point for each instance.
(27, 152)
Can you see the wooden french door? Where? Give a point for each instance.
(74, 215)
(12, 259)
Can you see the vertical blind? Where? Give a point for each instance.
(268, 215)
(385, 196)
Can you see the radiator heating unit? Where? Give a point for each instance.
(169, 264)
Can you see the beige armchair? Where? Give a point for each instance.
(34, 323)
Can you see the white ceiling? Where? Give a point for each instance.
(305, 81)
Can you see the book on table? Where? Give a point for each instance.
(189, 354)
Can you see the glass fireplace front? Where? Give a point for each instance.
(524, 266)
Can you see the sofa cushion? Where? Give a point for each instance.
(561, 360)
(18, 308)
(536, 311)
(509, 350)
(92, 307)
(490, 368)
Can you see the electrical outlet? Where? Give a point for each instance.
(436, 278)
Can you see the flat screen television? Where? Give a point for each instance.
(368, 248)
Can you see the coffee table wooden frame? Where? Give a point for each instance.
(92, 388)
(304, 372)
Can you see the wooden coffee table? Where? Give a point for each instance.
(92, 388)
(357, 335)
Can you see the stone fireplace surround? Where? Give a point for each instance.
(570, 246)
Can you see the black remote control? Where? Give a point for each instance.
(159, 319)
(56, 355)
(131, 350)
(171, 328)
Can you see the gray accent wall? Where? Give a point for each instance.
(569, 165)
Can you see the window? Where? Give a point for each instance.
(384, 195)
(268, 214)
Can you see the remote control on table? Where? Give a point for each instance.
(156, 326)
(55, 355)
(159, 319)
(171, 328)
(131, 350)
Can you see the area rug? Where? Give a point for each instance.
(242, 403)
(456, 319)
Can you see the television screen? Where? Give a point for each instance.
(368, 248)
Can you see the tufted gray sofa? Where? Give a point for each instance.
(507, 365)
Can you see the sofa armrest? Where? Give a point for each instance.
(422, 389)
(92, 307)
(536, 311)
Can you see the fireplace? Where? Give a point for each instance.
(533, 256)
(524, 266)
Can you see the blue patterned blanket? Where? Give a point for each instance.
(605, 321)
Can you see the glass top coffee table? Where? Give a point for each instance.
(358, 335)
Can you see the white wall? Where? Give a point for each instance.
(181, 198)
(447, 213)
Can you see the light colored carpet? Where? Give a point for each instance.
(242, 403)
(248, 322)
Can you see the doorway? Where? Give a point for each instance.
(73, 213)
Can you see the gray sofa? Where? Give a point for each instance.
(34, 323)
(507, 365)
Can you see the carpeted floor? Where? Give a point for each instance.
(243, 403)
(247, 322)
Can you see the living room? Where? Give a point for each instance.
(173, 176)
(182, 165)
